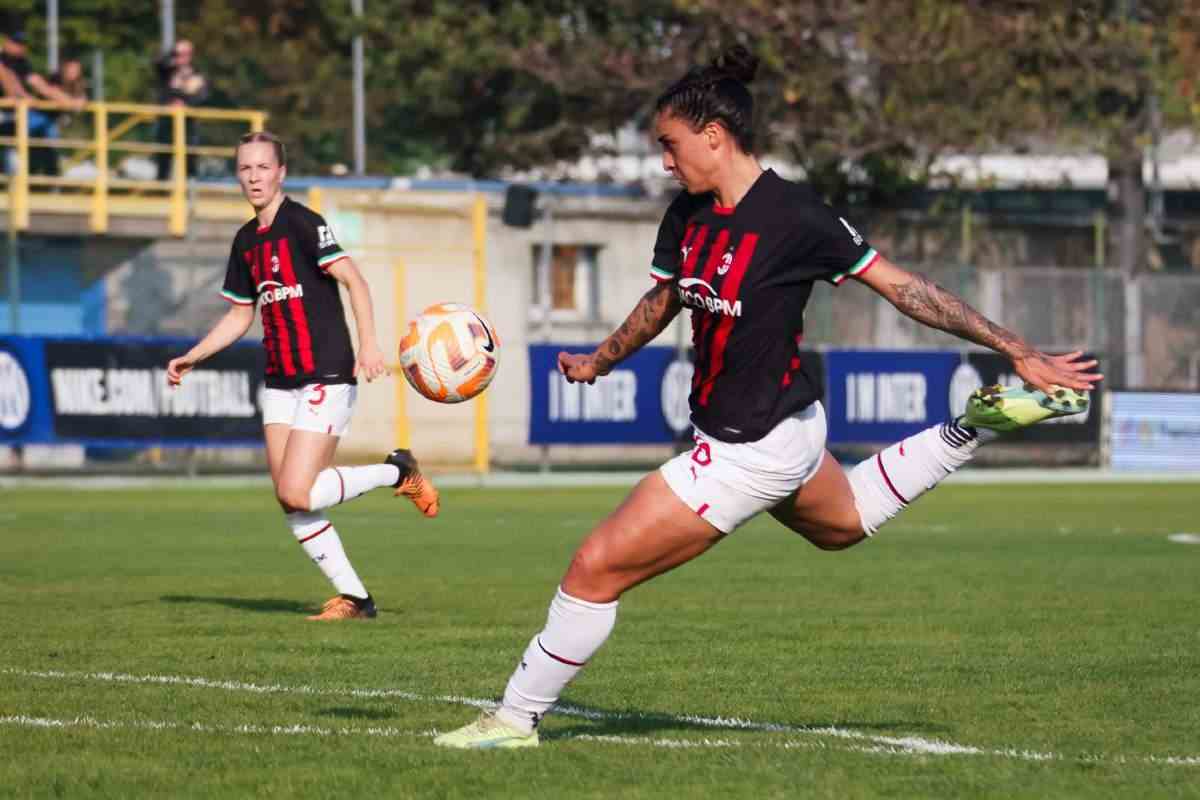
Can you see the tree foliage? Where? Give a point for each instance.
(863, 94)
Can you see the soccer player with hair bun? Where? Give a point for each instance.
(287, 262)
(740, 248)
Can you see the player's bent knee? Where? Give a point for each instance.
(835, 539)
(293, 498)
(591, 576)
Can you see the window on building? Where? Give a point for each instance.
(567, 285)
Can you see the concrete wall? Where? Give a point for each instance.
(418, 249)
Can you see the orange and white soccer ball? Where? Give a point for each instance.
(450, 353)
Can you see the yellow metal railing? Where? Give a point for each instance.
(25, 190)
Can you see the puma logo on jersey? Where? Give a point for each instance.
(684, 251)
(325, 237)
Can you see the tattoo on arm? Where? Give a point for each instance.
(649, 317)
(930, 304)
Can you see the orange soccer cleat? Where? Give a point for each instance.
(345, 607)
(412, 483)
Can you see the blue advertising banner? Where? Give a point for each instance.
(643, 400)
(25, 408)
(110, 391)
(886, 395)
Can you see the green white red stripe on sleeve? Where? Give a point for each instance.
(236, 299)
(661, 275)
(329, 260)
(865, 263)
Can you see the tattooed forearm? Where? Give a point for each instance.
(928, 303)
(649, 317)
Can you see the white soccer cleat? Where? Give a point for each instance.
(487, 733)
(1010, 408)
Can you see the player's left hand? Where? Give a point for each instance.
(370, 363)
(578, 367)
(1045, 371)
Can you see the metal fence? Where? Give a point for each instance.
(1145, 330)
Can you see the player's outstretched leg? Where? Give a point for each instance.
(889, 481)
(412, 484)
(399, 470)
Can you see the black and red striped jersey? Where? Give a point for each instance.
(284, 268)
(746, 274)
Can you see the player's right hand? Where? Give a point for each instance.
(177, 368)
(578, 367)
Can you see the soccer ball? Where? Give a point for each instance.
(450, 353)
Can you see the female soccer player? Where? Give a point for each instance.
(288, 262)
(741, 248)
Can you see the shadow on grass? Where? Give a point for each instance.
(267, 605)
(632, 723)
(345, 712)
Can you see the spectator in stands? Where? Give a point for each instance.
(19, 80)
(179, 84)
(69, 78)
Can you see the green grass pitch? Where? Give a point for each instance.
(994, 641)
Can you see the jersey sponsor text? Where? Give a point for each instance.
(706, 298)
(269, 295)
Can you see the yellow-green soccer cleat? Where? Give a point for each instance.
(487, 733)
(1010, 408)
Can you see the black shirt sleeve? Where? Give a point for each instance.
(671, 230)
(838, 249)
(239, 284)
(317, 238)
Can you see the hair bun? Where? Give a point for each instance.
(737, 62)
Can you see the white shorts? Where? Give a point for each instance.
(727, 484)
(314, 407)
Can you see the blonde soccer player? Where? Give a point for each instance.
(287, 263)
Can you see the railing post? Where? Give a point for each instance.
(99, 220)
(257, 119)
(19, 203)
(402, 430)
(483, 456)
(178, 222)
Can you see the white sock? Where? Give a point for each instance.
(339, 484)
(321, 542)
(574, 631)
(888, 481)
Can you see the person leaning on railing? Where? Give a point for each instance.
(69, 79)
(179, 83)
(20, 81)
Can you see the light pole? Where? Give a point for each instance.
(52, 35)
(360, 119)
(167, 23)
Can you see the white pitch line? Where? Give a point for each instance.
(24, 720)
(890, 745)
